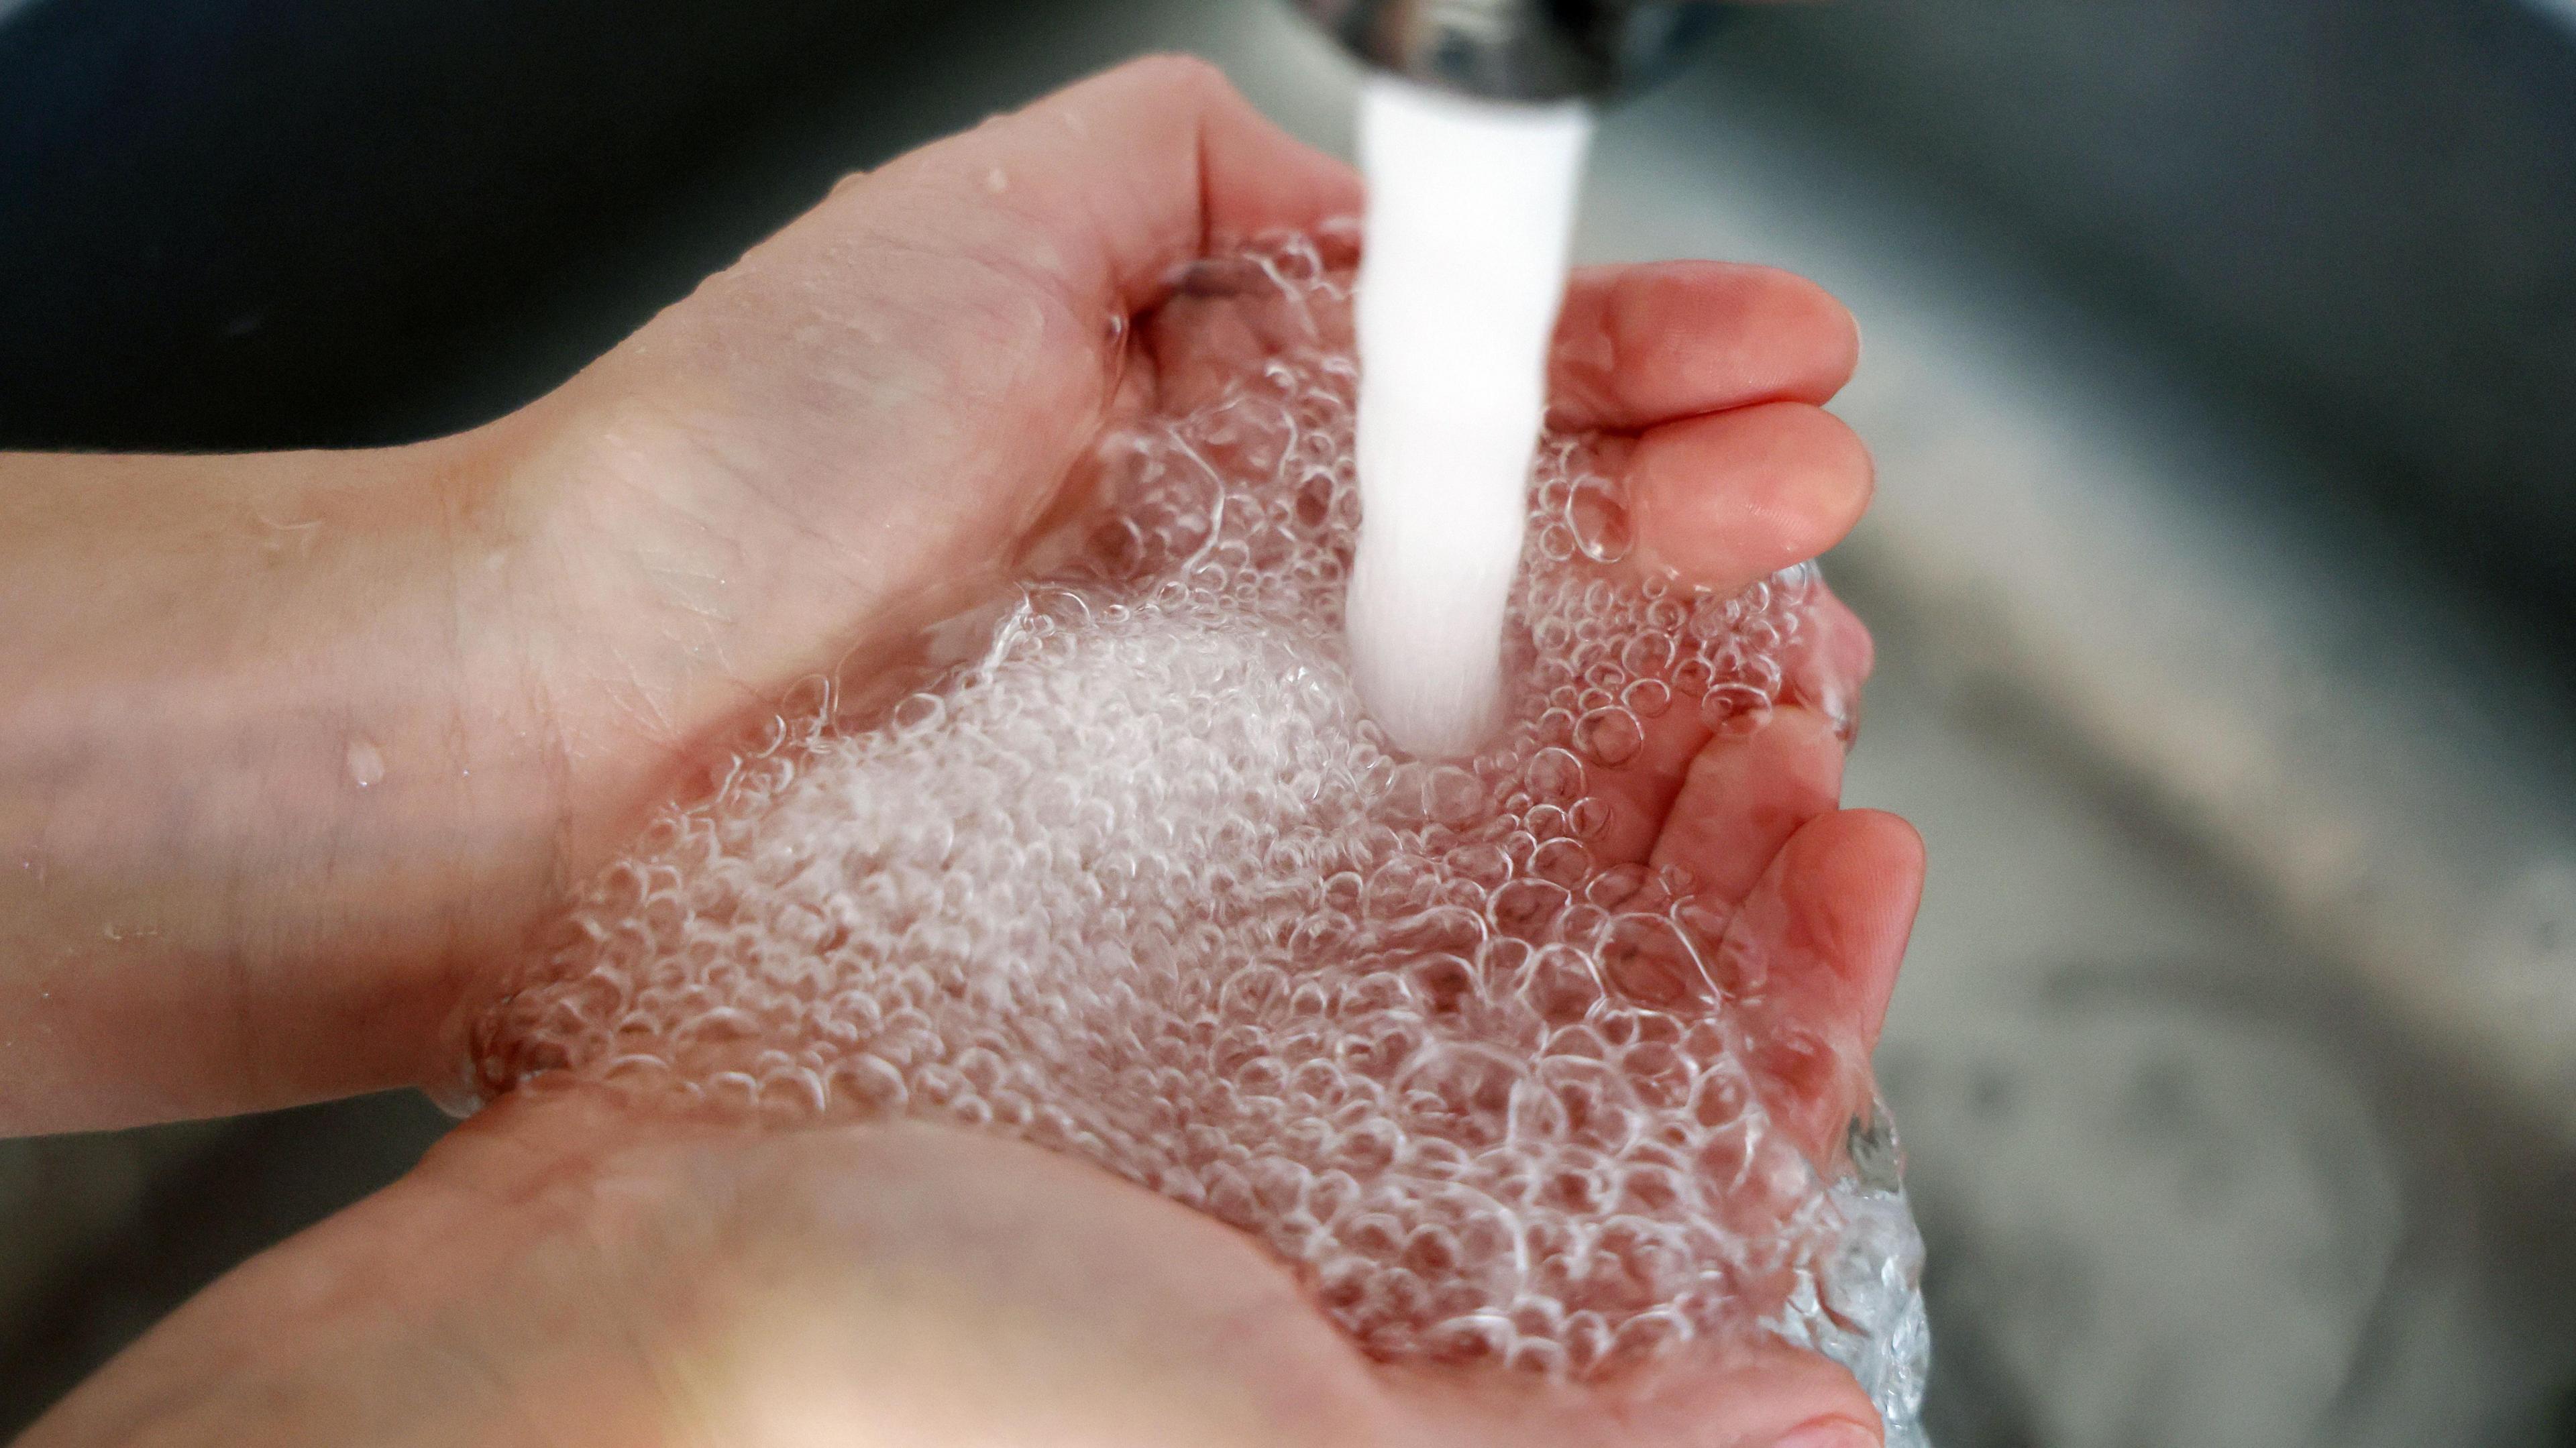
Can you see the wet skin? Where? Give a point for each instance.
(307, 745)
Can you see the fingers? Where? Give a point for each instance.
(1227, 317)
(1811, 959)
(1836, 911)
(1640, 791)
(1829, 662)
(1745, 796)
(1641, 345)
(1724, 500)
(1720, 370)
(1109, 184)
(1719, 808)
(1812, 906)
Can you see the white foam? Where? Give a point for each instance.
(1146, 884)
(1470, 211)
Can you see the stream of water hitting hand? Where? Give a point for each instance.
(1470, 215)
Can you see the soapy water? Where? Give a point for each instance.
(1141, 880)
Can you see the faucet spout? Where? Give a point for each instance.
(1518, 50)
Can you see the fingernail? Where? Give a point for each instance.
(1830, 1433)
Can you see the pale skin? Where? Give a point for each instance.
(300, 749)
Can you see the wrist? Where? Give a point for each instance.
(267, 792)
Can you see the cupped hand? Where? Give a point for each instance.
(840, 441)
(564, 1272)
(860, 428)
(306, 744)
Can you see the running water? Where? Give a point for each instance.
(1471, 208)
(1142, 881)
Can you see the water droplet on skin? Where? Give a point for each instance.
(458, 1099)
(366, 764)
(1871, 1149)
(1598, 516)
(281, 537)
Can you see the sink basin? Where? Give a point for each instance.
(2237, 1053)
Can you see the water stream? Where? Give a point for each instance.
(1471, 207)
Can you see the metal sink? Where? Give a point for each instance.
(2237, 1055)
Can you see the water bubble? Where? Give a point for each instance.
(1610, 736)
(1556, 776)
(1453, 796)
(1139, 880)
(1734, 709)
(917, 712)
(1647, 698)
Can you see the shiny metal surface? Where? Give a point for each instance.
(1518, 50)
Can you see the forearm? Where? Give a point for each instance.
(264, 774)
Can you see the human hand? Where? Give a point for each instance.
(1696, 385)
(569, 1269)
(564, 1271)
(304, 743)
(735, 500)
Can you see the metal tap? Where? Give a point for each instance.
(1518, 50)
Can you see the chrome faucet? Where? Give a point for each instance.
(1518, 50)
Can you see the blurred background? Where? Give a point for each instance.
(2221, 363)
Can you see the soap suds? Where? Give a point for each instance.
(1144, 883)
